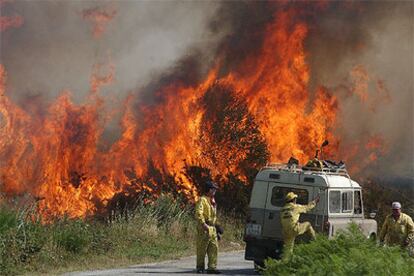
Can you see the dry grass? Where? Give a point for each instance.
(163, 230)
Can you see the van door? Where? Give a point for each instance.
(274, 203)
(257, 205)
(320, 211)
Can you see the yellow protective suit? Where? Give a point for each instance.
(397, 232)
(291, 228)
(206, 240)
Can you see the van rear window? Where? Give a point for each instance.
(279, 194)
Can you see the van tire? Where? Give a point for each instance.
(373, 237)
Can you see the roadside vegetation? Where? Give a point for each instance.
(350, 253)
(164, 229)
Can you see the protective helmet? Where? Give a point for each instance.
(396, 205)
(211, 185)
(290, 196)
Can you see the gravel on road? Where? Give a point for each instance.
(229, 263)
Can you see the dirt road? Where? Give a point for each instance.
(230, 263)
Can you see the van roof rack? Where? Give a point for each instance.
(302, 169)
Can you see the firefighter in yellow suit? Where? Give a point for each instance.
(291, 228)
(398, 228)
(206, 216)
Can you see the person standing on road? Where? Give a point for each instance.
(206, 216)
(398, 228)
(291, 228)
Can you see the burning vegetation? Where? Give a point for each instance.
(254, 105)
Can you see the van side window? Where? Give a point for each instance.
(335, 201)
(347, 202)
(279, 194)
(357, 202)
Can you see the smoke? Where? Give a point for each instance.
(61, 41)
(376, 39)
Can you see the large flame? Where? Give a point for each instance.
(56, 155)
(277, 92)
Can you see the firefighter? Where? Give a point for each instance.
(291, 227)
(398, 228)
(206, 216)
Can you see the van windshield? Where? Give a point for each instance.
(357, 202)
(335, 201)
(279, 194)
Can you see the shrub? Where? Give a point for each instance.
(8, 220)
(21, 237)
(350, 253)
(73, 236)
(168, 209)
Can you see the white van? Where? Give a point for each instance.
(340, 203)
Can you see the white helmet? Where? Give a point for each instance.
(396, 205)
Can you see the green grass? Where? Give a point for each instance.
(159, 231)
(350, 253)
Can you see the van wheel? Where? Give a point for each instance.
(258, 266)
(373, 237)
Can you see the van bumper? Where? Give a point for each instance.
(258, 249)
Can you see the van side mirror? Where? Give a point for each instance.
(372, 215)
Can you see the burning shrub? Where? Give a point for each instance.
(230, 137)
(233, 146)
(234, 195)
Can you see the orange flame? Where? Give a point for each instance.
(276, 89)
(361, 80)
(363, 153)
(368, 88)
(99, 17)
(100, 78)
(6, 22)
(56, 156)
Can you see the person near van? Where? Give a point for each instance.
(206, 216)
(291, 227)
(398, 228)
